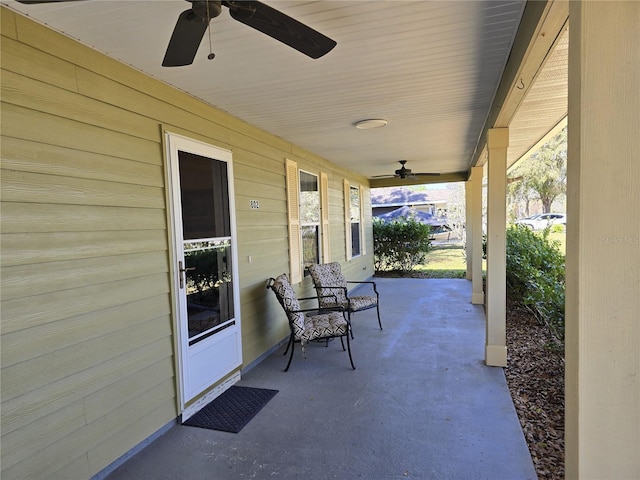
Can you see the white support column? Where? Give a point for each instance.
(468, 228)
(475, 208)
(496, 342)
(602, 331)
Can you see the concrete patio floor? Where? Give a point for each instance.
(421, 404)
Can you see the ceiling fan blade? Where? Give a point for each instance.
(281, 27)
(407, 175)
(185, 40)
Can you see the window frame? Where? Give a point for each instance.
(348, 222)
(292, 180)
(356, 221)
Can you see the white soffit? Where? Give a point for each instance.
(545, 106)
(430, 68)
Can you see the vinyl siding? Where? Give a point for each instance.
(88, 368)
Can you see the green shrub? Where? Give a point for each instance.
(536, 275)
(400, 245)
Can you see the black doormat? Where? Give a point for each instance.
(232, 410)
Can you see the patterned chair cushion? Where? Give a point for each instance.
(287, 296)
(330, 275)
(362, 302)
(322, 326)
(307, 327)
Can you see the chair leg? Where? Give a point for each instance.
(292, 343)
(288, 344)
(342, 343)
(349, 320)
(378, 310)
(349, 349)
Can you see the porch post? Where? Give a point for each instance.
(468, 227)
(475, 207)
(496, 343)
(602, 332)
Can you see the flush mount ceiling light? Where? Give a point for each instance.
(370, 123)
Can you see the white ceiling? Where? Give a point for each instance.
(431, 68)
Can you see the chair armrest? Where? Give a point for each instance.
(317, 297)
(336, 287)
(368, 282)
(337, 308)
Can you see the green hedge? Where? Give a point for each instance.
(400, 245)
(536, 275)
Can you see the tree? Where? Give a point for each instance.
(543, 176)
(456, 210)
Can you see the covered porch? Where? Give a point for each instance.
(89, 285)
(421, 404)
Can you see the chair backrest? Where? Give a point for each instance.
(328, 275)
(286, 295)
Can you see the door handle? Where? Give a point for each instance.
(182, 272)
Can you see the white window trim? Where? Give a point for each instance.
(324, 217)
(347, 221)
(296, 266)
(363, 243)
(293, 220)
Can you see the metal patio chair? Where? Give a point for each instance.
(331, 287)
(306, 326)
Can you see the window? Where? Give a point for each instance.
(354, 197)
(353, 218)
(309, 218)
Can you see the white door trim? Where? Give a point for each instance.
(187, 399)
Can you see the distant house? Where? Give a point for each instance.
(388, 199)
(411, 212)
(440, 230)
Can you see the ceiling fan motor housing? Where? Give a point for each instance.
(206, 10)
(403, 172)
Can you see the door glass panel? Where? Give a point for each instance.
(205, 197)
(206, 245)
(209, 286)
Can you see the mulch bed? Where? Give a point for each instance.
(535, 376)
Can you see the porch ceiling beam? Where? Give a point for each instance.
(541, 25)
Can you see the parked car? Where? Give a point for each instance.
(543, 220)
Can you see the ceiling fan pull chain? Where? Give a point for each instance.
(211, 55)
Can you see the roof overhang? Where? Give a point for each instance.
(532, 97)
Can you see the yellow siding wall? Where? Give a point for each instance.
(87, 345)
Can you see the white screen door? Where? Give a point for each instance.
(205, 278)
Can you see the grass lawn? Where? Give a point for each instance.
(448, 261)
(561, 239)
(444, 261)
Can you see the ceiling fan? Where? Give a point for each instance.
(404, 172)
(193, 23)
